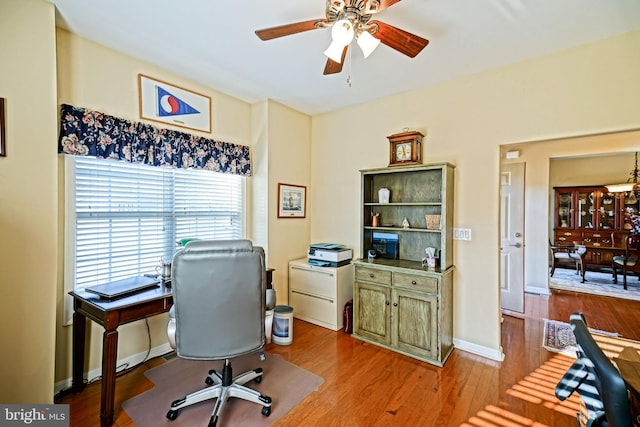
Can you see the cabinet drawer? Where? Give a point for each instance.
(313, 280)
(372, 275)
(315, 309)
(420, 283)
(598, 238)
(564, 237)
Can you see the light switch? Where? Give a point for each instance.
(461, 234)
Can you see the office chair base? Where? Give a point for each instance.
(222, 387)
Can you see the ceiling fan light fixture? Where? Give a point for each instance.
(367, 43)
(620, 188)
(334, 52)
(342, 32)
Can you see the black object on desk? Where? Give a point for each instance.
(124, 287)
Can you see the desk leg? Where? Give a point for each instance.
(109, 356)
(79, 331)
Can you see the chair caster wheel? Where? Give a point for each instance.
(266, 411)
(257, 380)
(172, 415)
(208, 381)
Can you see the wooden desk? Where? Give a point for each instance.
(110, 315)
(601, 256)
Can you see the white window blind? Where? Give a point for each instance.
(128, 216)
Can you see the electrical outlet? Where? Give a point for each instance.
(461, 234)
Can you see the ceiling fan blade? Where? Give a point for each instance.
(398, 39)
(333, 67)
(288, 29)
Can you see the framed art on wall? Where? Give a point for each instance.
(165, 103)
(292, 201)
(3, 151)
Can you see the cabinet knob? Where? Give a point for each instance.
(395, 304)
(371, 275)
(413, 282)
(386, 302)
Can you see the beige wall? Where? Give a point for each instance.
(592, 169)
(289, 163)
(282, 136)
(28, 202)
(586, 90)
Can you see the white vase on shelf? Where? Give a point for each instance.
(383, 195)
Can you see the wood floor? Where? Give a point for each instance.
(365, 385)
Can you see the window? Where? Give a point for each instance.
(122, 218)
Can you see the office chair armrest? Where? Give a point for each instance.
(171, 328)
(270, 299)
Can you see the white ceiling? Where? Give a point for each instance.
(212, 42)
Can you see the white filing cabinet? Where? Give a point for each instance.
(318, 294)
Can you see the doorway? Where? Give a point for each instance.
(537, 156)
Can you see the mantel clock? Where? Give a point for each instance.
(405, 148)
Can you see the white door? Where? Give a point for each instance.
(512, 237)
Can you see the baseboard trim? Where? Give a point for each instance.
(513, 313)
(487, 352)
(130, 362)
(537, 290)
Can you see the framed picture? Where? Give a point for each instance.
(3, 151)
(292, 201)
(165, 103)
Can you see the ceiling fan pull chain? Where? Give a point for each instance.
(349, 72)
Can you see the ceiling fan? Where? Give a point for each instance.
(349, 20)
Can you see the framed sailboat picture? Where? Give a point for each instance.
(292, 201)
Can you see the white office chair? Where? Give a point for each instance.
(219, 295)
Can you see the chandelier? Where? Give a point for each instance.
(630, 185)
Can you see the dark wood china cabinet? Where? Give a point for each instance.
(594, 217)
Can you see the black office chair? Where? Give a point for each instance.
(596, 380)
(219, 292)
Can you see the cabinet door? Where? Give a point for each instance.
(585, 209)
(607, 211)
(372, 314)
(628, 205)
(415, 323)
(564, 209)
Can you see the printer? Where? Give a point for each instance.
(329, 255)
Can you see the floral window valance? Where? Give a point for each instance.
(85, 132)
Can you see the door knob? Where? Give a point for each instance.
(517, 245)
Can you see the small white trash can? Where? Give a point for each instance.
(282, 333)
